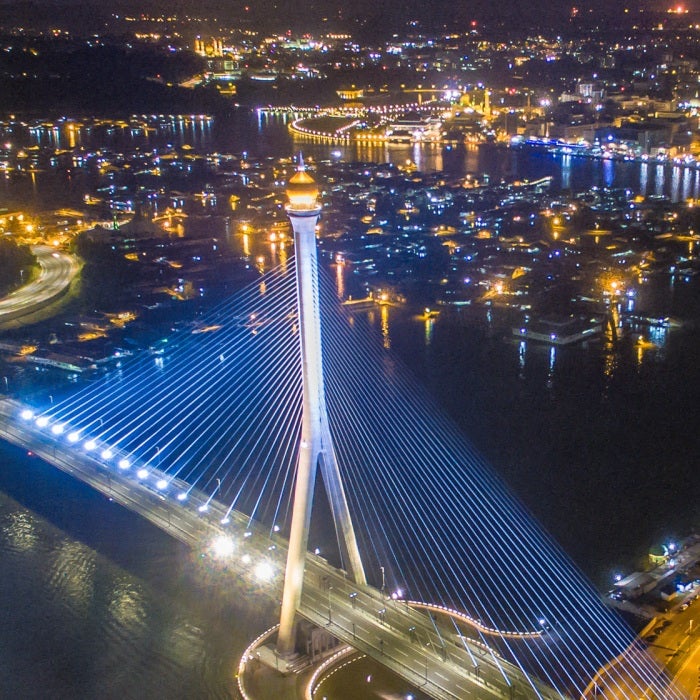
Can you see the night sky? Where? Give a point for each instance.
(359, 16)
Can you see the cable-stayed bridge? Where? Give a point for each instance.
(233, 425)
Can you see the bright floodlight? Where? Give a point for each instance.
(203, 508)
(90, 445)
(27, 414)
(107, 453)
(124, 464)
(264, 571)
(161, 483)
(246, 558)
(226, 520)
(142, 473)
(57, 429)
(42, 421)
(74, 436)
(222, 546)
(182, 496)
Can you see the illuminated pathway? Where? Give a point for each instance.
(57, 272)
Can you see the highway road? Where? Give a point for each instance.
(677, 646)
(57, 271)
(674, 642)
(423, 649)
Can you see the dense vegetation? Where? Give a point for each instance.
(16, 264)
(43, 77)
(107, 275)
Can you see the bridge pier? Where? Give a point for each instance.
(316, 446)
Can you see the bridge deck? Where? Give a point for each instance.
(424, 651)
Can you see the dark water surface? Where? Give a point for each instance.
(601, 443)
(97, 603)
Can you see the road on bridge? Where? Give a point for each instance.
(422, 649)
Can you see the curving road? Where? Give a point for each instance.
(57, 272)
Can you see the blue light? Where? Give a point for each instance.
(238, 423)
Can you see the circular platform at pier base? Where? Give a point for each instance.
(343, 674)
(262, 675)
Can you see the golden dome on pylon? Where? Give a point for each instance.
(302, 190)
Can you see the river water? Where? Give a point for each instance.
(97, 603)
(600, 443)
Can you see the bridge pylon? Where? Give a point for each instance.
(316, 445)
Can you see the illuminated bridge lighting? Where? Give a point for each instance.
(221, 419)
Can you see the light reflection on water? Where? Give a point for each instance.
(77, 623)
(70, 573)
(111, 608)
(592, 442)
(18, 533)
(262, 136)
(127, 604)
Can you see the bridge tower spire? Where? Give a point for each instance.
(316, 446)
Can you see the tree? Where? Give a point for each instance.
(16, 263)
